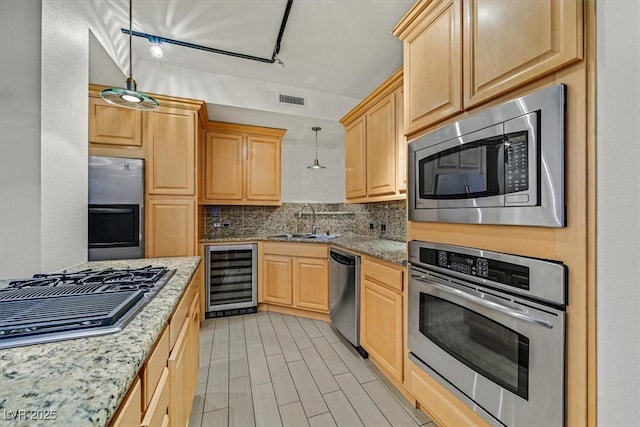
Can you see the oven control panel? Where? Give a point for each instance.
(466, 264)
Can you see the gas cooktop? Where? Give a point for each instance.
(61, 306)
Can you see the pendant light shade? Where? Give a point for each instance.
(129, 97)
(316, 163)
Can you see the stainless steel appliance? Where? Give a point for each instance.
(231, 281)
(116, 208)
(490, 327)
(62, 306)
(501, 166)
(344, 296)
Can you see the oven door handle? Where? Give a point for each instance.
(486, 303)
(111, 210)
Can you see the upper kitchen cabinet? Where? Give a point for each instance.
(241, 165)
(432, 43)
(461, 53)
(171, 151)
(508, 43)
(375, 162)
(114, 131)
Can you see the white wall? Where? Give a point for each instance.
(618, 188)
(43, 147)
(19, 137)
(64, 146)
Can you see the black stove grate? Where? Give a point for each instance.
(48, 291)
(32, 316)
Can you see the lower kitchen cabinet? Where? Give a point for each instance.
(130, 411)
(179, 382)
(295, 275)
(382, 316)
(445, 408)
(162, 394)
(170, 227)
(310, 278)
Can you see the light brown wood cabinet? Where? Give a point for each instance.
(355, 157)
(130, 411)
(375, 158)
(522, 41)
(114, 126)
(295, 275)
(170, 227)
(179, 382)
(242, 165)
(171, 152)
(382, 315)
(460, 53)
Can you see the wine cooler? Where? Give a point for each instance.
(231, 279)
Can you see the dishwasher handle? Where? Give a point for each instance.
(342, 259)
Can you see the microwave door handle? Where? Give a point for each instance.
(486, 303)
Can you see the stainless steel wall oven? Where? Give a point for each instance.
(231, 279)
(116, 208)
(501, 166)
(490, 327)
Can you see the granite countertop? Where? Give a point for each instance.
(388, 250)
(84, 380)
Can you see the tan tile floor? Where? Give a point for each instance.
(269, 369)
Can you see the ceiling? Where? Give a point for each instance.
(335, 52)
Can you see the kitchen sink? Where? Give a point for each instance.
(304, 236)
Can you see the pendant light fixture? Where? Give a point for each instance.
(129, 97)
(316, 164)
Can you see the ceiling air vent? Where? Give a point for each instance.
(288, 99)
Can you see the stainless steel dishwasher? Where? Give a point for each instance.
(344, 296)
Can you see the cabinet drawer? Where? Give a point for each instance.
(180, 314)
(155, 415)
(313, 250)
(382, 274)
(155, 367)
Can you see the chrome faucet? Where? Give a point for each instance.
(314, 229)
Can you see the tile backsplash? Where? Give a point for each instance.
(389, 220)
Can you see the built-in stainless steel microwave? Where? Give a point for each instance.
(504, 165)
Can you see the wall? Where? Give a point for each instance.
(43, 190)
(64, 148)
(19, 137)
(618, 188)
(336, 218)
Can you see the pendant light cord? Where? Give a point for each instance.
(316, 144)
(130, 55)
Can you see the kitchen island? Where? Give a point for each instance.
(81, 382)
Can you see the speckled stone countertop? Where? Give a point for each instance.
(84, 380)
(388, 250)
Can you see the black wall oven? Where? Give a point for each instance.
(116, 209)
(490, 327)
(502, 166)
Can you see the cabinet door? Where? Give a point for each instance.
(180, 399)
(171, 153)
(131, 409)
(263, 168)
(159, 403)
(433, 66)
(194, 343)
(171, 229)
(381, 147)
(112, 125)
(381, 326)
(278, 279)
(522, 41)
(311, 278)
(223, 166)
(401, 143)
(355, 159)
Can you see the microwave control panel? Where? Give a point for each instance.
(516, 164)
